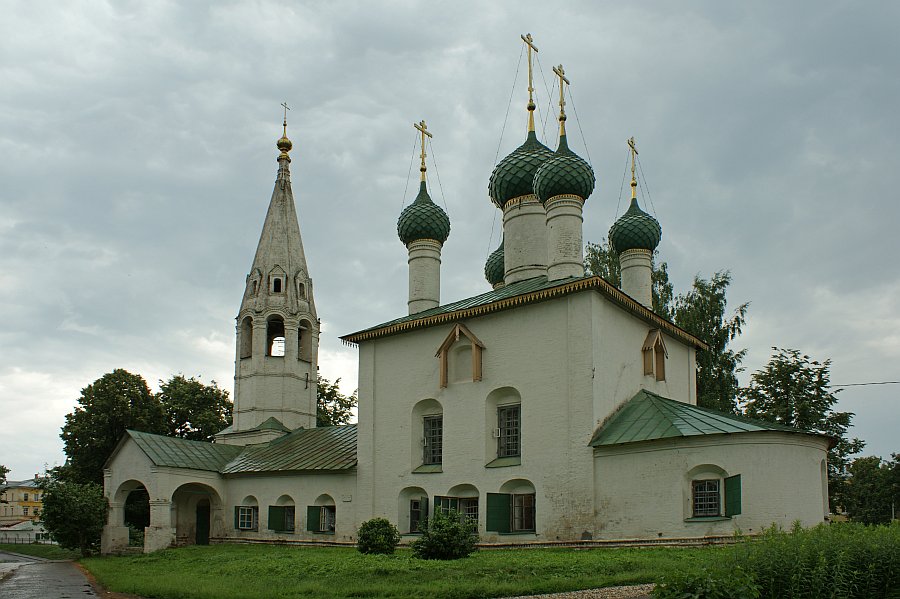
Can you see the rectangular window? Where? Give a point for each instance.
(320, 518)
(25, 498)
(465, 507)
(246, 517)
(434, 439)
(281, 518)
(289, 516)
(508, 423)
(25, 511)
(327, 518)
(523, 513)
(415, 514)
(706, 498)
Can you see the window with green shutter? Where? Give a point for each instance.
(312, 518)
(276, 518)
(733, 495)
(498, 512)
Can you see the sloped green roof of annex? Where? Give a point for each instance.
(182, 453)
(516, 294)
(321, 448)
(649, 417)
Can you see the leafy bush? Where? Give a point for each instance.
(377, 536)
(708, 584)
(445, 536)
(74, 514)
(837, 561)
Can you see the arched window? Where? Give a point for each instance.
(275, 336)
(282, 515)
(322, 517)
(304, 341)
(427, 436)
(655, 354)
(246, 515)
(246, 337)
(513, 508)
(503, 413)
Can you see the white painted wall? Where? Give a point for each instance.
(643, 489)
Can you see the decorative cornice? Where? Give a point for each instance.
(597, 283)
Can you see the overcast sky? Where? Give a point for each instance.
(137, 159)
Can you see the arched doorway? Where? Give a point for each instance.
(197, 510)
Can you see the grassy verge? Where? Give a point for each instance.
(246, 572)
(44, 551)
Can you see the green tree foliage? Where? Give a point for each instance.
(445, 536)
(795, 390)
(332, 406)
(868, 492)
(193, 410)
(377, 535)
(116, 401)
(74, 514)
(702, 313)
(3, 472)
(602, 260)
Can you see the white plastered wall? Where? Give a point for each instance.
(643, 490)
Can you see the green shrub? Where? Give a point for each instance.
(445, 536)
(708, 584)
(377, 536)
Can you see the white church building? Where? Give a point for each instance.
(553, 408)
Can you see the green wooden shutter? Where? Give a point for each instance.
(237, 517)
(276, 518)
(498, 512)
(312, 518)
(424, 507)
(733, 495)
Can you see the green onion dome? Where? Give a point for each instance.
(635, 230)
(423, 219)
(494, 268)
(566, 173)
(514, 175)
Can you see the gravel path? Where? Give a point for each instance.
(640, 591)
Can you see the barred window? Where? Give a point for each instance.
(508, 423)
(415, 514)
(434, 437)
(706, 498)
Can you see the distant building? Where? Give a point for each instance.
(20, 500)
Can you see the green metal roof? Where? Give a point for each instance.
(563, 174)
(494, 268)
(635, 230)
(423, 219)
(320, 448)
(181, 453)
(514, 175)
(648, 416)
(272, 424)
(518, 294)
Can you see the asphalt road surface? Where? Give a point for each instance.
(41, 579)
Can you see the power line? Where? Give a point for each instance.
(870, 383)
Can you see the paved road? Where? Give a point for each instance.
(41, 579)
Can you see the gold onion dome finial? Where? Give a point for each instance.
(423, 219)
(635, 230)
(513, 176)
(566, 173)
(284, 144)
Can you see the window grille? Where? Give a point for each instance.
(434, 438)
(509, 422)
(706, 498)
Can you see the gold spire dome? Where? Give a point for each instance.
(284, 144)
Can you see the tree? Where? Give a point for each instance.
(601, 259)
(701, 312)
(332, 406)
(795, 390)
(868, 493)
(74, 514)
(193, 410)
(116, 401)
(3, 472)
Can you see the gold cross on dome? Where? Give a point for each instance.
(286, 108)
(423, 129)
(561, 73)
(529, 41)
(634, 153)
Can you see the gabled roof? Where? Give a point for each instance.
(519, 293)
(648, 416)
(271, 424)
(320, 448)
(181, 453)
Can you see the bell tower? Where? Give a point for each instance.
(277, 333)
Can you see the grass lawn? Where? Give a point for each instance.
(248, 571)
(45, 551)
